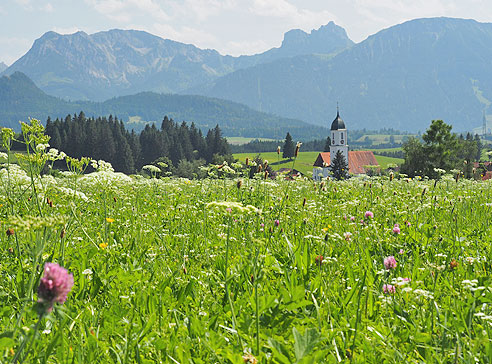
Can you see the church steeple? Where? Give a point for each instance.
(338, 137)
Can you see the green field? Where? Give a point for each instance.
(305, 160)
(109, 268)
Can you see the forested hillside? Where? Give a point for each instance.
(107, 139)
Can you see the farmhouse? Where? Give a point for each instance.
(358, 161)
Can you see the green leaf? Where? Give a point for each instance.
(281, 352)
(6, 343)
(304, 344)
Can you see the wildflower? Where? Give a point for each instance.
(352, 218)
(396, 229)
(54, 286)
(42, 147)
(347, 235)
(10, 232)
(298, 146)
(368, 215)
(390, 262)
(277, 222)
(319, 259)
(103, 245)
(229, 210)
(389, 288)
(401, 252)
(249, 359)
(453, 264)
(109, 219)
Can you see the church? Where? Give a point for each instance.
(357, 160)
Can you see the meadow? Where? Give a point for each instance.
(237, 270)
(305, 160)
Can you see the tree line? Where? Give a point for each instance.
(441, 150)
(108, 139)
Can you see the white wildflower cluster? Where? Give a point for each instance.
(151, 169)
(54, 155)
(29, 223)
(16, 174)
(105, 177)
(472, 285)
(485, 317)
(3, 155)
(72, 193)
(104, 166)
(236, 207)
(423, 293)
(42, 147)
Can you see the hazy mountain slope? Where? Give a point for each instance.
(21, 99)
(401, 77)
(328, 39)
(122, 62)
(3, 66)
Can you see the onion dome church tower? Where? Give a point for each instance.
(338, 138)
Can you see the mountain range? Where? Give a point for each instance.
(122, 62)
(20, 99)
(3, 67)
(401, 77)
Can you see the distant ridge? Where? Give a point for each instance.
(20, 99)
(401, 77)
(3, 67)
(113, 63)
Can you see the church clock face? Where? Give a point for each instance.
(341, 141)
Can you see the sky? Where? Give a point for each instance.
(232, 27)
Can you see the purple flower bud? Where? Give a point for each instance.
(277, 222)
(368, 215)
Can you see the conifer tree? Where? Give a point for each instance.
(339, 167)
(289, 147)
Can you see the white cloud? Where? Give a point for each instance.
(48, 8)
(125, 11)
(26, 4)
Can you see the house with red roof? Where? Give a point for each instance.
(358, 161)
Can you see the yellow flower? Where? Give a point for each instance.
(103, 245)
(326, 228)
(108, 219)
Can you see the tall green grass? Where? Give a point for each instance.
(217, 271)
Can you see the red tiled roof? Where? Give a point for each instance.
(357, 160)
